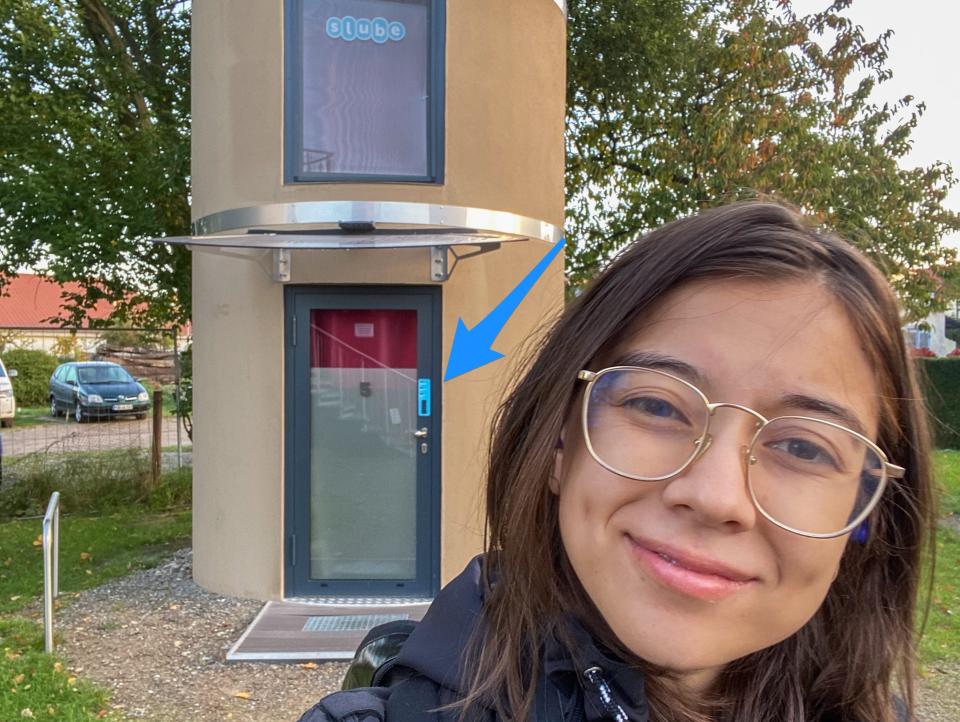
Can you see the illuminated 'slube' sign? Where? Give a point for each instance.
(379, 30)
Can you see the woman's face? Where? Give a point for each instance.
(734, 583)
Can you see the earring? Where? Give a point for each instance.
(861, 533)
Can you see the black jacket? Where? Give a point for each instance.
(594, 688)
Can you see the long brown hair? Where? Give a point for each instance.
(843, 663)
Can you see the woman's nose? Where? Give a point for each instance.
(713, 489)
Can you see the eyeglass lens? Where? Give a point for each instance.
(804, 473)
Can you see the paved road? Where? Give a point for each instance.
(57, 436)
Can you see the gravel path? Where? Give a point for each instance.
(158, 642)
(940, 694)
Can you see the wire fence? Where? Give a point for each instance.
(71, 400)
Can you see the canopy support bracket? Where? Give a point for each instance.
(441, 269)
(281, 265)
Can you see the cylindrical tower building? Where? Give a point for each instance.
(365, 174)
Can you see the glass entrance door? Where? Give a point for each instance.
(363, 442)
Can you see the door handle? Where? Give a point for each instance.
(421, 433)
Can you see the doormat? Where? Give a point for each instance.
(297, 632)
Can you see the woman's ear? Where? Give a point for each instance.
(557, 467)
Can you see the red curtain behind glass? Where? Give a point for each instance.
(335, 343)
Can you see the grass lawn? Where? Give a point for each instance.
(37, 685)
(947, 472)
(941, 640)
(31, 416)
(93, 549)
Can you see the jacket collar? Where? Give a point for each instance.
(436, 647)
(612, 689)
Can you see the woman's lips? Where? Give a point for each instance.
(687, 574)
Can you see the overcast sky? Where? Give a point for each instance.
(924, 55)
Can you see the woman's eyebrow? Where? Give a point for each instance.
(841, 414)
(653, 360)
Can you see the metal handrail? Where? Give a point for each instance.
(51, 562)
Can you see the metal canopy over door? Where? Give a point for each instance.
(362, 441)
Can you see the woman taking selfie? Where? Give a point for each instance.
(708, 498)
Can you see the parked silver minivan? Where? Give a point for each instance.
(8, 405)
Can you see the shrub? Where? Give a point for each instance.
(941, 380)
(34, 368)
(184, 395)
(174, 490)
(68, 347)
(94, 481)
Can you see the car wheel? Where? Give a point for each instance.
(141, 416)
(78, 415)
(54, 409)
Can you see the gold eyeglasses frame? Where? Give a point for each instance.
(701, 445)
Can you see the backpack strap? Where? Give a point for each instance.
(374, 664)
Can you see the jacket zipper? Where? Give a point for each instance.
(594, 675)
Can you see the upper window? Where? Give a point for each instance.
(364, 90)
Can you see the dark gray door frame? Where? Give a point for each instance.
(298, 300)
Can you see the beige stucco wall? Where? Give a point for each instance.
(237, 437)
(504, 151)
(505, 94)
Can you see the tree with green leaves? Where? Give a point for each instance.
(674, 105)
(95, 151)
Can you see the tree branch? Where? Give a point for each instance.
(97, 18)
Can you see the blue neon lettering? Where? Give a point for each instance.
(379, 30)
(398, 31)
(364, 28)
(349, 29)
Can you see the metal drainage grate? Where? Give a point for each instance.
(360, 601)
(349, 622)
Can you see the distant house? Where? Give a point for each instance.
(26, 311)
(930, 334)
(30, 305)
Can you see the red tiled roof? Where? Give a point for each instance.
(33, 299)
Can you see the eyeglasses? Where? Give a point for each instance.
(809, 476)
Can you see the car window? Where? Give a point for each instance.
(3, 371)
(103, 375)
(71, 374)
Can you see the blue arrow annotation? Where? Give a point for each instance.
(471, 347)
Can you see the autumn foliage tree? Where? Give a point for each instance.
(95, 150)
(674, 105)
